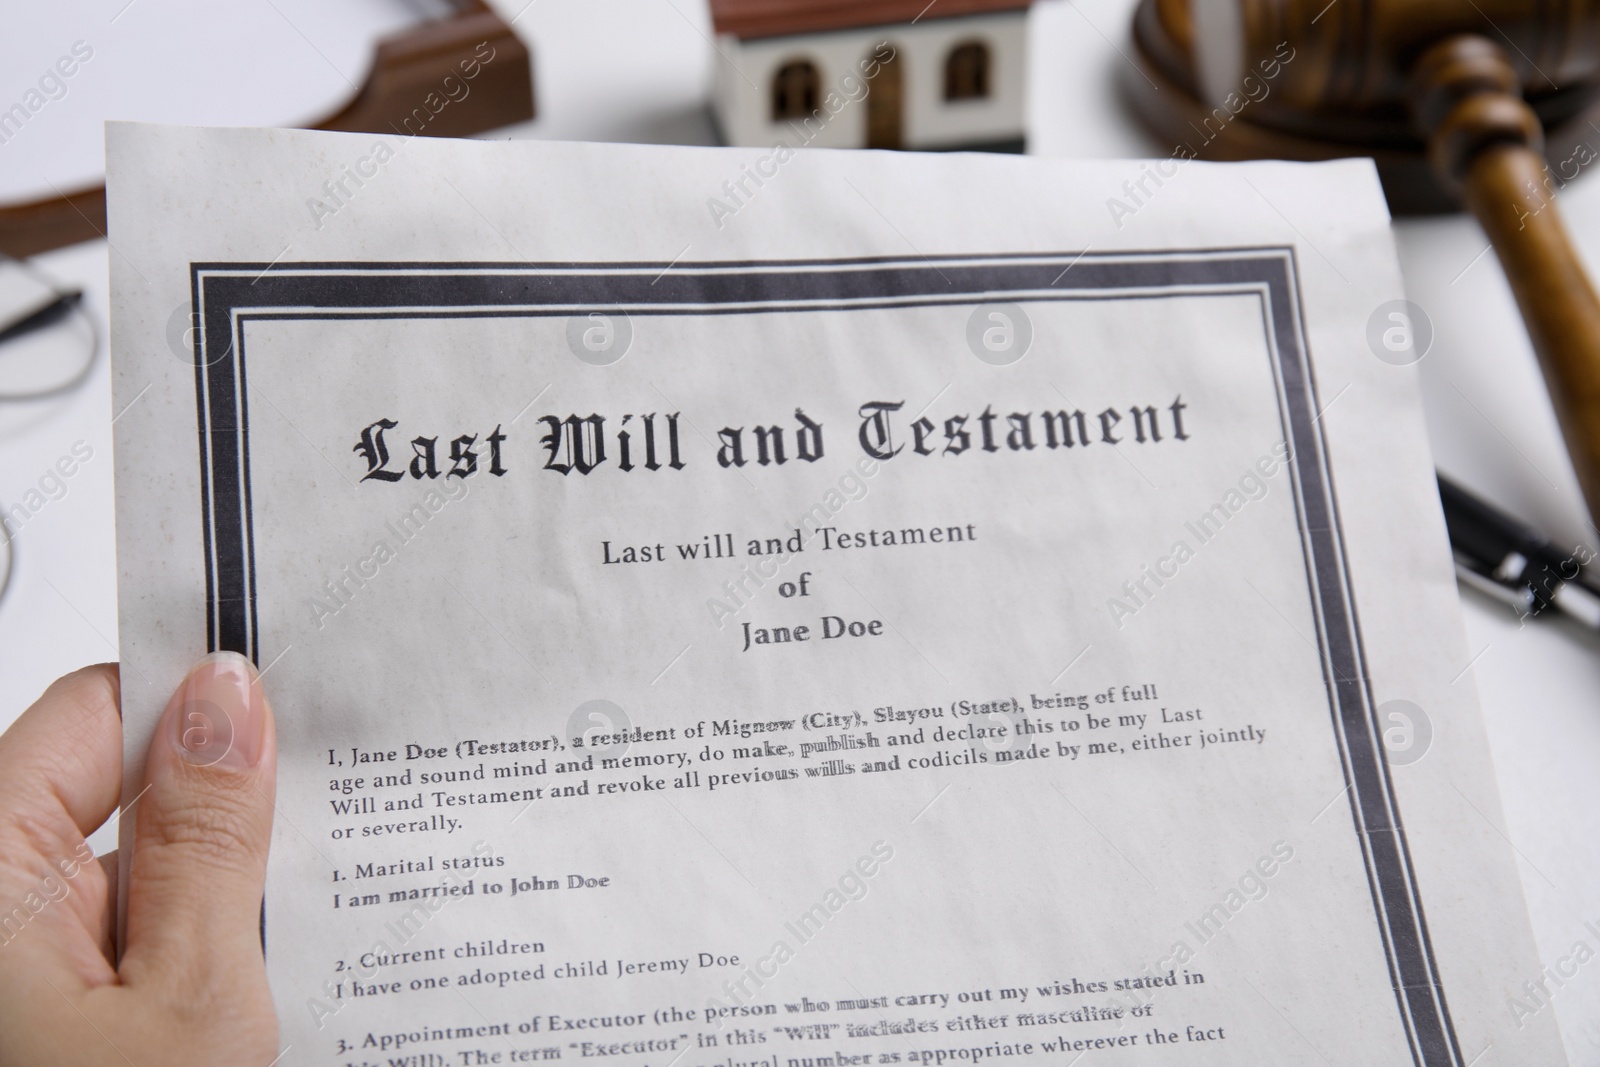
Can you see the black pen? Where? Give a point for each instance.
(1511, 561)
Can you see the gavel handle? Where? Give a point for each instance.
(1485, 141)
(1509, 190)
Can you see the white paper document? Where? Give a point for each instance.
(732, 608)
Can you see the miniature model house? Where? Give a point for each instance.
(871, 73)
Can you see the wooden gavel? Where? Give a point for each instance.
(1451, 97)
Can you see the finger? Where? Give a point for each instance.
(201, 832)
(61, 761)
(107, 939)
(60, 775)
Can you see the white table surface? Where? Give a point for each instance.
(639, 70)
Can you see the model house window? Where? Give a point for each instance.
(966, 71)
(794, 91)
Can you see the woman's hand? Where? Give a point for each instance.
(191, 987)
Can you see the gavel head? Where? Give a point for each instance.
(1315, 79)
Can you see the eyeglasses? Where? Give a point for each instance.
(47, 341)
(48, 344)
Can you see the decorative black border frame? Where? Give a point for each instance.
(227, 295)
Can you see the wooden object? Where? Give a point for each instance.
(886, 107)
(889, 74)
(1485, 141)
(750, 19)
(1322, 106)
(406, 67)
(1426, 88)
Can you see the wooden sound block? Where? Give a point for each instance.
(1161, 89)
(408, 67)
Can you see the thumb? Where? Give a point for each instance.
(201, 833)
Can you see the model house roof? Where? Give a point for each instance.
(779, 18)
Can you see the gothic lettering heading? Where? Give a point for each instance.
(584, 444)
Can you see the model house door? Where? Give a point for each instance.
(886, 106)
